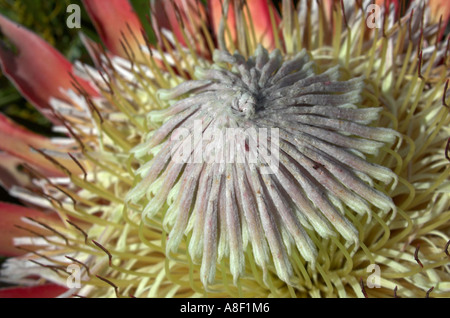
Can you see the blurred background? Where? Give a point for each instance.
(48, 19)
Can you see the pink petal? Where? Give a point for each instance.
(216, 13)
(259, 16)
(388, 3)
(10, 216)
(328, 9)
(37, 69)
(94, 49)
(440, 8)
(42, 291)
(114, 20)
(16, 140)
(167, 15)
(9, 172)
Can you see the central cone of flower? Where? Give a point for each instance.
(315, 172)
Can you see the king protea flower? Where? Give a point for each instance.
(250, 151)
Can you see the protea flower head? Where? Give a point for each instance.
(250, 151)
